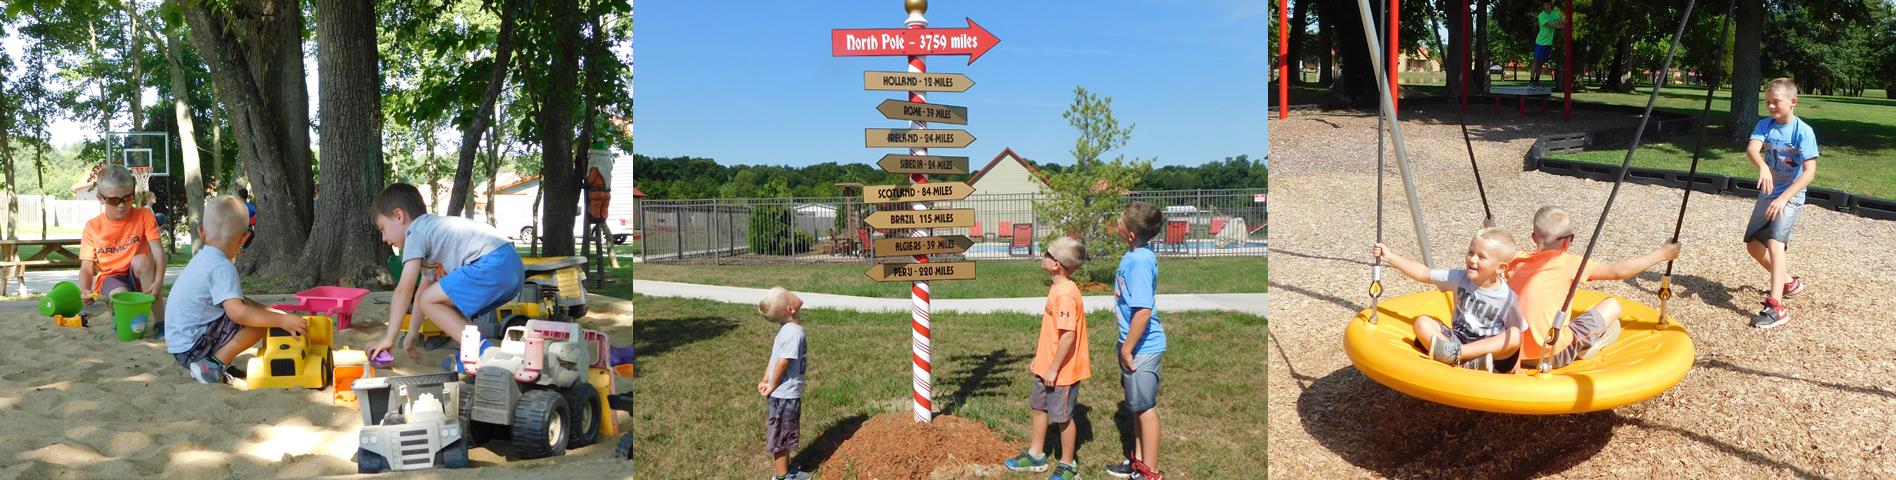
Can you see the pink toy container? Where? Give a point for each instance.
(336, 302)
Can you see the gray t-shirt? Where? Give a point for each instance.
(452, 242)
(197, 299)
(1479, 312)
(789, 344)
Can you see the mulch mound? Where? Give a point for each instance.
(893, 446)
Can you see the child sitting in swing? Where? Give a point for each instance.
(1485, 333)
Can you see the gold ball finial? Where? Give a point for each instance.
(915, 6)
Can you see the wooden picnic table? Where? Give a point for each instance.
(52, 254)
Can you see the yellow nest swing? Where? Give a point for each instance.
(1651, 355)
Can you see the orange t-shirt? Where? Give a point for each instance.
(1064, 312)
(111, 244)
(1541, 279)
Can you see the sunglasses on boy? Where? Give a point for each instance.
(115, 201)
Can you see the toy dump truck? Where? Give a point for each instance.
(535, 388)
(411, 422)
(555, 289)
(291, 361)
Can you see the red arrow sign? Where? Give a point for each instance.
(972, 41)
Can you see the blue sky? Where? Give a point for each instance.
(754, 82)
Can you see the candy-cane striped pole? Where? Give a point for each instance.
(918, 291)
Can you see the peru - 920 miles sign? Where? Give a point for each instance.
(921, 272)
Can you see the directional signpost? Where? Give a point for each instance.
(916, 42)
(916, 82)
(915, 138)
(923, 112)
(925, 192)
(919, 272)
(944, 218)
(917, 246)
(924, 164)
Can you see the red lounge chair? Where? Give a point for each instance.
(975, 232)
(1175, 235)
(1023, 238)
(1005, 229)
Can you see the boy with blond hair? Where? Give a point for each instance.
(1486, 322)
(1141, 337)
(1541, 279)
(1060, 362)
(782, 385)
(119, 249)
(1784, 149)
(211, 320)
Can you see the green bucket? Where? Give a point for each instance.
(62, 301)
(395, 266)
(130, 314)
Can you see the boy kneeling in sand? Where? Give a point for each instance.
(211, 321)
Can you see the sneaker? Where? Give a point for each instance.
(1444, 350)
(1026, 462)
(1123, 469)
(1794, 287)
(1774, 314)
(1066, 471)
(1141, 472)
(233, 372)
(207, 371)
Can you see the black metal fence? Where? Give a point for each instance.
(1199, 223)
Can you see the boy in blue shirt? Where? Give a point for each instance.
(482, 269)
(1784, 149)
(211, 321)
(1141, 337)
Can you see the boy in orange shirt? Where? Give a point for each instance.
(119, 249)
(1541, 279)
(1060, 362)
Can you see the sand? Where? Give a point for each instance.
(1809, 399)
(80, 404)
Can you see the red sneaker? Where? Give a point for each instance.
(1794, 287)
(1774, 314)
(1142, 472)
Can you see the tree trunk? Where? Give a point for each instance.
(1357, 84)
(559, 183)
(6, 158)
(1300, 17)
(224, 183)
(1746, 78)
(476, 124)
(241, 46)
(1482, 80)
(493, 165)
(293, 92)
(138, 68)
(187, 136)
(349, 252)
(105, 105)
(1618, 79)
(39, 174)
(1326, 47)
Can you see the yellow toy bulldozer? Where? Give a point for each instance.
(554, 290)
(289, 361)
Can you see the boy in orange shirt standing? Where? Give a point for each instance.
(119, 249)
(1060, 362)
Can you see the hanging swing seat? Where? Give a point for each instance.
(1647, 360)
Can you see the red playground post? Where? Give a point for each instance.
(1395, 60)
(1283, 60)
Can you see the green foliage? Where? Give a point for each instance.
(1084, 201)
(770, 235)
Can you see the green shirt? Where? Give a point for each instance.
(1546, 36)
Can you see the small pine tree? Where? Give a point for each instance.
(1084, 201)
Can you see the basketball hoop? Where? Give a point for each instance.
(144, 178)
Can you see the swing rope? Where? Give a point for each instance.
(1711, 87)
(1560, 316)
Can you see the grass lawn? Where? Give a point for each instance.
(1857, 136)
(700, 416)
(997, 279)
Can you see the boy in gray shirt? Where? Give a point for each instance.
(211, 321)
(782, 385)
(1487, 321)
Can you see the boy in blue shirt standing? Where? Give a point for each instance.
(1784, 149)
(1141, 337)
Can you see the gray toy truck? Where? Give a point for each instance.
(411, 422)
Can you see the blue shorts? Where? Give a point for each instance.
(1760, 229)
(1541, 52)
(1142, 382)
(486, 284)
